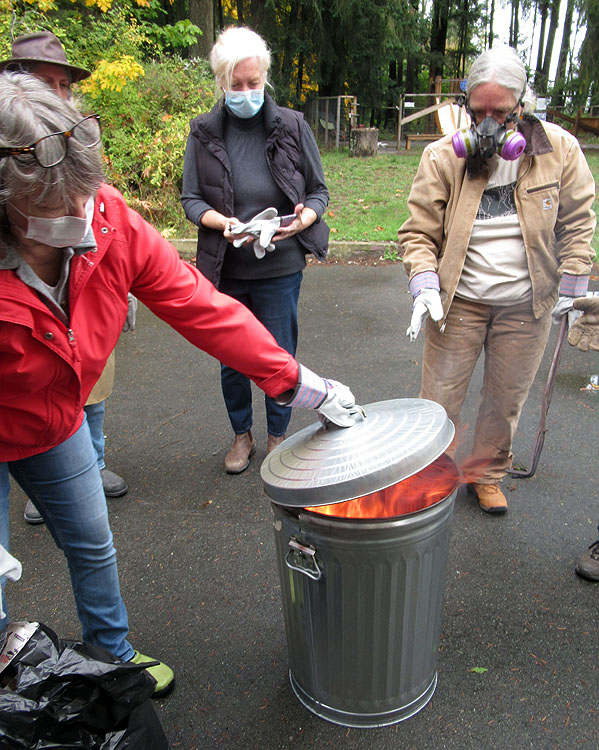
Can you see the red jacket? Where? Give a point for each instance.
(48, 370)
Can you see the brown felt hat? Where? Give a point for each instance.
(41, 47)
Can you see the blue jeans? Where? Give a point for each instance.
(65, 486)
(95, 420)
(274, 303)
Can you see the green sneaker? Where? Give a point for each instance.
(162, 674)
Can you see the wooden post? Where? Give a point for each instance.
(326, 122)
(399, 116)
(577, 121)
(338, 123)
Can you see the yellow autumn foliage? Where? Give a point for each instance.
(113, 75)
(47, 5)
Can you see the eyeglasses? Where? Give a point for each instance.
(52, 149)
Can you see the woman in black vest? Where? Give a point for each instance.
(244, 156)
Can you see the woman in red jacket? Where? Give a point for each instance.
(70, 252)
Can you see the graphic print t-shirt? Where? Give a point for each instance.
(496, 270)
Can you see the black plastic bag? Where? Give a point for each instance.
(68, 694)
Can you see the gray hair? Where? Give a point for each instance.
(503, 66)
(31, 110)
(234, 44)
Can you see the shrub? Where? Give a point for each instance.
(145, 128)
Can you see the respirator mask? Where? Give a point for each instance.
(480, 142)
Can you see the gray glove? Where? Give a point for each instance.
(129, 324)
(562, 307)
(263, 227)
(339, 406)
(333, 401)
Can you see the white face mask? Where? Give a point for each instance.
(62, 231)
(245, 104)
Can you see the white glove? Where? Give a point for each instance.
(262, 227)
(9, 567)
(339, 405)
(428, 302)
(562, 306)
(268, 230)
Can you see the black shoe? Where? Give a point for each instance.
(32, 514)
(114, 486)
(587, 565)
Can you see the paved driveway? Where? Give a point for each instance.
(197, 558)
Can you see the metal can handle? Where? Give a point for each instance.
(303, 559)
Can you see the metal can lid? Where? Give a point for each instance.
(322, 465)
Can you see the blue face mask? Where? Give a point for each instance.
(245, 104)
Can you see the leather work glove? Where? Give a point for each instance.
(129, 324)
(584, 333)
(339, 406)
(262, 227)
(332, 400)
(562, 307)
(428, 302)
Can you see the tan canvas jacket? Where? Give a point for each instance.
(554, 195)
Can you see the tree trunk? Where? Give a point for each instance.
(514, 28)
(411, 74)
(411, 62)
(463, 40)
(491, 19)
(201, 13)
(257, 13)
(288, 56)
(553, 24)
(300, 76)
(542, 9)
(589, 60)
(440, 22)
(557, 100)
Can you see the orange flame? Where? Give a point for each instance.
(429, 486)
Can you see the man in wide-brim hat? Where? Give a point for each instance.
(42, 55)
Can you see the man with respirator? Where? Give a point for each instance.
(497, 244)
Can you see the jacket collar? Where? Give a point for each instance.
(10, 258)
(537, 141)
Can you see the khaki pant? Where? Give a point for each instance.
(513, 342)
(103, 387)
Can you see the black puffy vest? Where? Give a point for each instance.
(283, 152)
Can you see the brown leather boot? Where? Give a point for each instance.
(238, 456)
(490, 498)
(273, 442)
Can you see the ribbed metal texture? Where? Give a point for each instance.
(363, 639)
(319, 466)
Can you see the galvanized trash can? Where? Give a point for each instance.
(363, 597)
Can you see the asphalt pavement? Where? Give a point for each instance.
(197, 556)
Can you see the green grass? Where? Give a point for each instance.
(369, 195)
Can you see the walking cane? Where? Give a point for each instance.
(547, 393)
